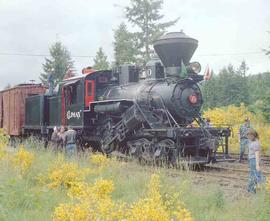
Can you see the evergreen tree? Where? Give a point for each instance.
(243, 68)
(58, 65)
(265, 106)
(228, 87)
(124, 46)
(100, 61)
(233, 89)
(210, 92)
(243, 82)
(259, 92)
(145, 15)
(258, 85)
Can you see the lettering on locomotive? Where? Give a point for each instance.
(71, 114)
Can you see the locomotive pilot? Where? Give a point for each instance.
(243, 137)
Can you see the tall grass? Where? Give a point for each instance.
(26, 197)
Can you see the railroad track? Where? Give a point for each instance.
(264, 158)
(223, 177)
(220, 167)
(233, 184)
(234, 158)
(228, 167)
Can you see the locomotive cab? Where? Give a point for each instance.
(78, 93)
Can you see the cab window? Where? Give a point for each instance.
(73, 94)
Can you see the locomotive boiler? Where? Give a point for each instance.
(145, 113)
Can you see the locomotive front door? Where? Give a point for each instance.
(89, 92)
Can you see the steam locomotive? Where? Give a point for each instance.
(145, 113)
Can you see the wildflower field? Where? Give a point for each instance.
(38, 184)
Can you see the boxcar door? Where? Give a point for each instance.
(89, 92)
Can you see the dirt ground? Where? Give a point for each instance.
(232, 177)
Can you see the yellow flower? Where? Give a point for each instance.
(3, 153)
(103, 188)
(23, 160)
(3, 144)
(155, 208)
(99, 160)
(64, 175)
(94, 202)
(234, 117)
(182, 214)
(3, 138)
(65, 212)
(78, 190)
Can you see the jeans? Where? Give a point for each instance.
(70, 149)
(254, 176)
(243, 147)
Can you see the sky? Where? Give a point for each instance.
(228, 31)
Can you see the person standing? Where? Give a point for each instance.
(255, 175)
(51, 81)
(208, 122)
(61, 137)
(55, 138)
(243, 138)
(70, 141)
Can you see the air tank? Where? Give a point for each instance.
(174, 48)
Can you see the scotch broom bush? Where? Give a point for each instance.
(233, 117)
(58, 189)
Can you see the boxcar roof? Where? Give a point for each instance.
(24, 85)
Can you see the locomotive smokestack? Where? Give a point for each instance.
(173, 49)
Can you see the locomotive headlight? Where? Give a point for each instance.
(193, 99)
(194, 67)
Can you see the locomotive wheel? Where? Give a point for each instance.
(140, 149)
(147, 154)
(107, 149)
(106, 135)
(144, 150)
(165, 152)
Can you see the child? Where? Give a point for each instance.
(254, 147)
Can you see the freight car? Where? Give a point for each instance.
(145, 113)
(12, 106)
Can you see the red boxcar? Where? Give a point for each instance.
(12, 106)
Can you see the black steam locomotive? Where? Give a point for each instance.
(145, 113)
